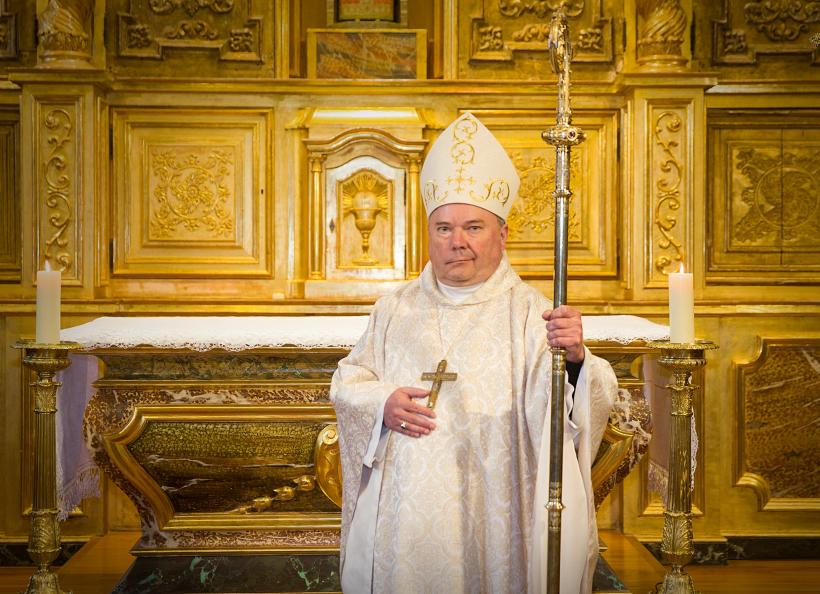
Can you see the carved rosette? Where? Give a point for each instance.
(146, 29)
(661, 28)
(57, 188)
(533, 214)
(668, 192)
(65, 31)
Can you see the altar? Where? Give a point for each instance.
(220, 430)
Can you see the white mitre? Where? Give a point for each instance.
(467, 165)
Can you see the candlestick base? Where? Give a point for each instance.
(46, 359)
(682, 358)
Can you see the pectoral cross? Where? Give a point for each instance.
(437, 377)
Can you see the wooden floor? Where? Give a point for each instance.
(97, 567)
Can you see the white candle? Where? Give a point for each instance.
(681, 307)
(48, 306)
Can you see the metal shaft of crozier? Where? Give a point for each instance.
(562, 136)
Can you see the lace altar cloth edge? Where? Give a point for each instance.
(238, 333)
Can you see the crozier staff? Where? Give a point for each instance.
(450, 498)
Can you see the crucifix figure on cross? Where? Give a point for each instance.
(437, 377)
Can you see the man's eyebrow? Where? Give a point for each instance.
(474, 221)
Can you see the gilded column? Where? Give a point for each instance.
(65, 33)
(415, 219)
(317, 216)
(662, 26)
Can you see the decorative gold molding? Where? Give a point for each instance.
(669, 135)
(775, 27)
(498, 29)
(777, 428)
(58, 187)
(226, 26)
(10, 231)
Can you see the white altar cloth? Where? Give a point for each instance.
(78, 477)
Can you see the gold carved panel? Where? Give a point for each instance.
(231, 29)
(190, 199)
(765, 201)
(232, 467)
(499, 38)
(58, 186)
(777, 28)
(669, 186)
(364, 220)
(10, 267)
(779, 434)
(365, 217)
(593, 207)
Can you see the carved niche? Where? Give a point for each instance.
(778, 424)
(592, 224)
(190, 193)
(504, 31)
(765, 27)
(364, 206)
(229, 27)
(765, 201)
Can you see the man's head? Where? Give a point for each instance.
(466, 243)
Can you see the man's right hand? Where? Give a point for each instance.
(403, 414)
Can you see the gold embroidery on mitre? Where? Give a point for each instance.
(431, 193)
(497, 189)
(462, 152)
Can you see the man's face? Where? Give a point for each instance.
(466, 244)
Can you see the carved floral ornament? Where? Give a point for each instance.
(193, 24)
(58, 127)
(512, 25)
(782, 20)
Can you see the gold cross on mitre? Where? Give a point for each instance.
(437, 377)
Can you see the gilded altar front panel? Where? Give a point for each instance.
(764, 205)
(778, 424)
(593, 211)
(190, 194)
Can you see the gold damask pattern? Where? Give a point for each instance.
(776, 195)
(145, 30)
(779, 428)
(191, 193)
(58, 161)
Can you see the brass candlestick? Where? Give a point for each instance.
(676, 545)
(44, 532)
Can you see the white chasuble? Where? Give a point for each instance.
(461, 509)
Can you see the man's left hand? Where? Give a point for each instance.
(564, 330)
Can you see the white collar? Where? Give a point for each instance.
(457, 294)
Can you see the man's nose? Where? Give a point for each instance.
(457, 238)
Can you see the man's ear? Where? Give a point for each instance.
(504, 232)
